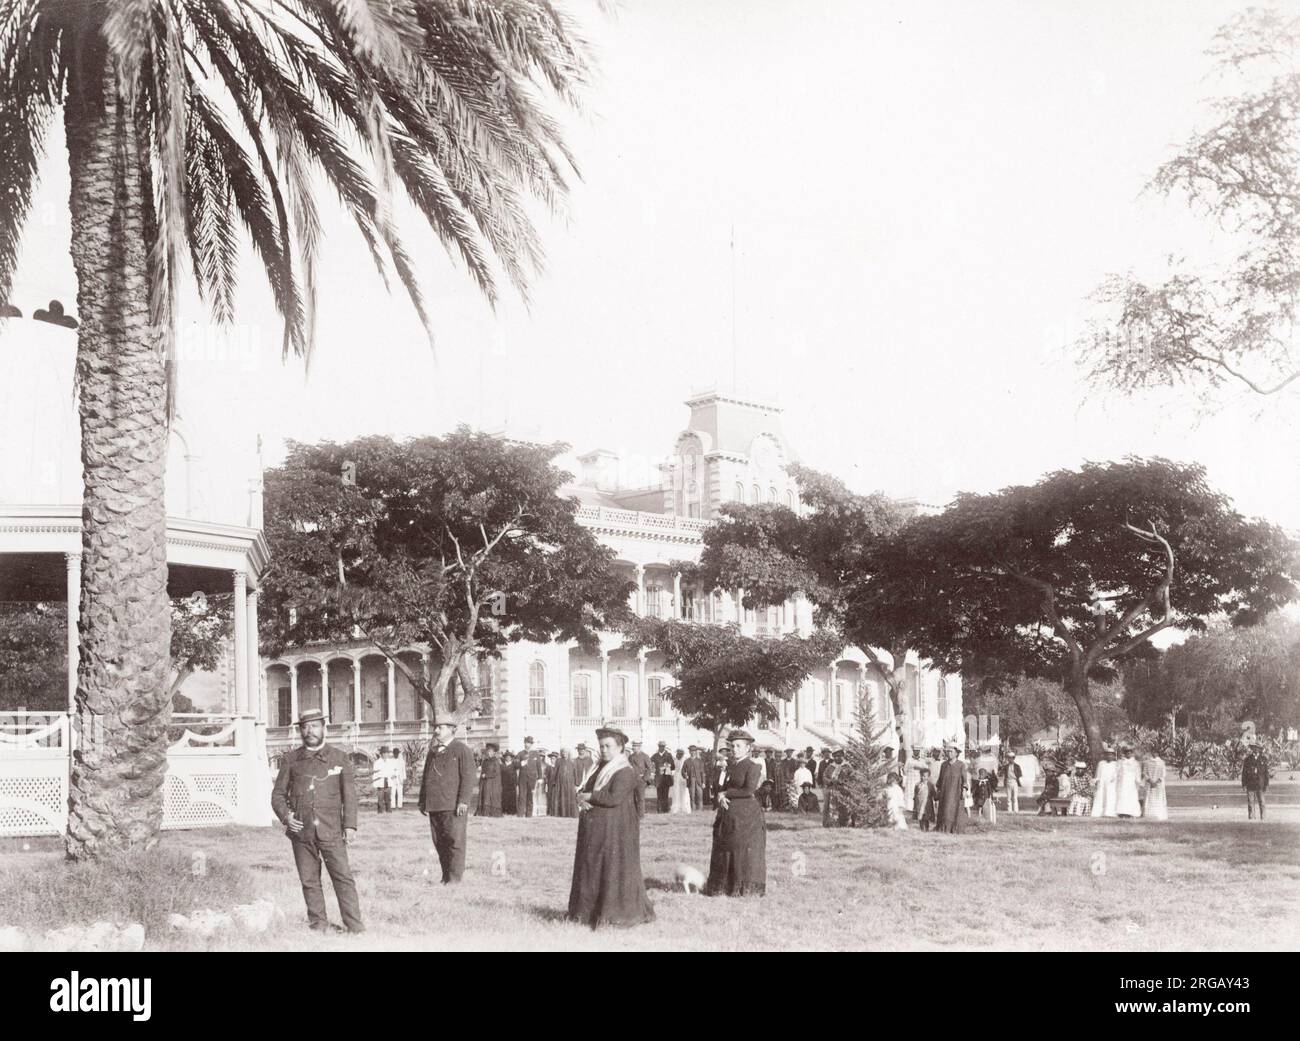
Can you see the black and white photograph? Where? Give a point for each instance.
(701, 476)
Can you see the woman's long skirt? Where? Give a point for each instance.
(738, 865)
(509, 792)
(608, 887)
(1156, 807)
(489, 797)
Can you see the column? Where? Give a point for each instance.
(72, 561)
(677, 594)
(862, 688)
(390, 708)
(356, 690)
(640, 590)
(255, 707)
(240, 611)
(642, 694)
(293, 692)
(325, 690)
(603, 695)
(830, 694)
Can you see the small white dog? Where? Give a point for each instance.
(689, 876)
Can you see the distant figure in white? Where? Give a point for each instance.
(1128, 775)
(681, 790)
(894, 803)
(1104, 791)
(397, 770)
(1156, 808)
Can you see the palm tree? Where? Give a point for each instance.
(185, 119)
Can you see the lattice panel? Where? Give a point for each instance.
(33, 806)
(207, 805)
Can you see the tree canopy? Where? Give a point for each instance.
(1232, 324)
(1062, 578)
(461, 542)
(827, 553)
(1216, 680)
(723, 678)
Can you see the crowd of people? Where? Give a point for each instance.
(605, 788)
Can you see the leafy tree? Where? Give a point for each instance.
(1235, 325)
(460, 542)
(1025, 705)
(34, 650)
(723, 678)
(1221, 678)
(202, 627)
(1065, 577)
(33, 657)
(185, 121)
(859, 785)
(826, 555)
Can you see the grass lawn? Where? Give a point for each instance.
(1029, 883)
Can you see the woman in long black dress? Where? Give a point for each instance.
(509, 784)
(489, 786)
(608, 887)
(738, 865)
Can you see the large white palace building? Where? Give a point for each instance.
(731, 450)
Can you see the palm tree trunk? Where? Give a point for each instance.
(122, 697)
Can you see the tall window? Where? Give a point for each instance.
(739, 493)
(755, 496)
(618, 698)
(841, 695)
(581, 695)
(823, 700)
(771, 494)
(537, 689)
(789, 499)
(942, 707)
(654, 691)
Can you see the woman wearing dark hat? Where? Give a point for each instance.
(608, 887)
(489, 784)
(738, 864)
(509, 784)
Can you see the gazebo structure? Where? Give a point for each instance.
(218, 770)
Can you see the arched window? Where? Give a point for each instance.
(581, 695)
(789, 499)
(537, 689)
(755, 496)
(771, 494)
(942, 707)
(618, 697)
(654, 692)
(739, 493)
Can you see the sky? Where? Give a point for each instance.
(921, 196)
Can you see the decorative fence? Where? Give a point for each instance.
(217, 772)
(34, 756)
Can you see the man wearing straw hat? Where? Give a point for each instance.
(315, 798)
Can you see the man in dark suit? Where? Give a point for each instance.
(644, 768)
(445, 795)
(315, 798)
(532, 768)
(662, 761)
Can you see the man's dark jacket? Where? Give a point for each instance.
(1254, 773)
(318, 785)
(448, 777)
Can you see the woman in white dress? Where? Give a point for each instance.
(1128, 775)
(1156, 807)
(894, 803)
(1104, 791)
(681, 790)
